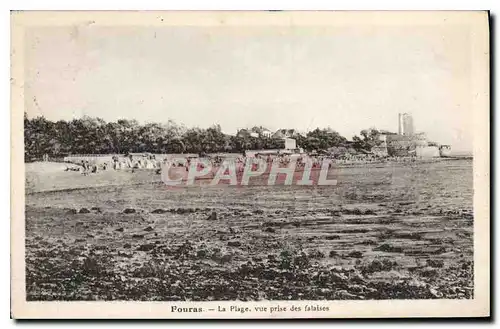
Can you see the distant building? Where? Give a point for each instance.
(243, 133)
(427, 152)
(286, 146)
(445, 150)
(266, 133)
(286, 143)
(255, 133)
(405, 124)
(407, 142)
(290, 144)
(381, 149)
(285, 133)
(401, 145)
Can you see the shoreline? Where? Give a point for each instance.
(40, 181)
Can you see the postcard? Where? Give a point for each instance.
(250, 164)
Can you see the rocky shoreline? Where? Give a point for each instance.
(107, 258)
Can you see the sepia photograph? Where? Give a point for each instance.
(250, 164)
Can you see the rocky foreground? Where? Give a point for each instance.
(199, 254)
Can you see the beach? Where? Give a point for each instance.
(394, 231)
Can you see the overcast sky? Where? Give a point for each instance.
(298, 77)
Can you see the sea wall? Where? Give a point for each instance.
(427, 152)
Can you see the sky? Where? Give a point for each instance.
(345, 78)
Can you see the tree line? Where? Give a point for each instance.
(90, 135)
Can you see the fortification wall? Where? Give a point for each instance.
(427, 152)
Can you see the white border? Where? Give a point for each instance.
(145, 4)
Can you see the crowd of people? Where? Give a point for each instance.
(86, 166)
(133, 163)
(150, 161)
